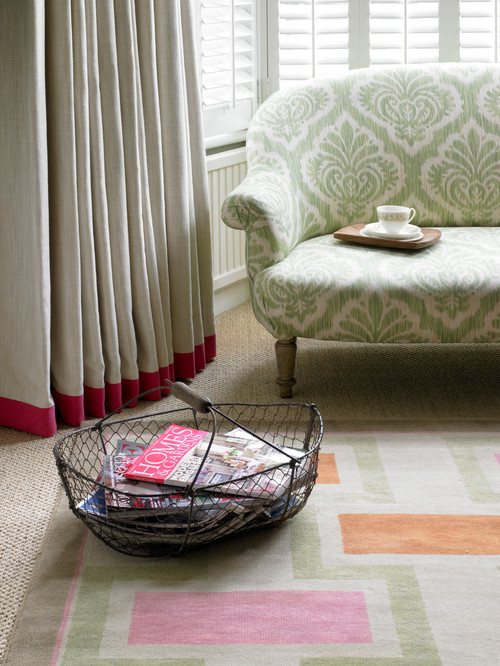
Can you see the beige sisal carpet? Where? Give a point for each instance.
(356, 388)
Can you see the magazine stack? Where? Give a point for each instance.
(177, 480)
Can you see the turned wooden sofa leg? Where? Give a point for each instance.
(286, 350)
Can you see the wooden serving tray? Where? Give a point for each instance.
(352, 235)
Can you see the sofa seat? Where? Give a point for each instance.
(332, 290)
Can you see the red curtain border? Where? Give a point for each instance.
(23, 416)
(96, 402)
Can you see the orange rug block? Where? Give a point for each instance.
(420, 534)
(327, 469)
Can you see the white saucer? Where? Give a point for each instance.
(375, 229)
(413, 237)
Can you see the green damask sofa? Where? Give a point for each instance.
(323, 156)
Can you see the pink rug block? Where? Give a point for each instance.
(261, 618)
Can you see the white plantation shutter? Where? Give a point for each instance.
(313, 38)
(228, 64)
(318, 37)
(303, 39)
(479, 30)
(404, 31)
(387, 32)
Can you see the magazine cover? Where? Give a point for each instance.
(241, 464)
(160, 461)
(130, 448)
(95, 503)
(127, 442)
(177, 457)
(151, 495)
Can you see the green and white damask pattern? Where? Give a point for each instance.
(332, 290)
(490, 102)
(410, 105)
(295, 116)
(325, 155)
(464, 178)
(349, 168)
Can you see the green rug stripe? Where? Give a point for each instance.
(376, 488)
(467, 464)
(372, 471)
(90, 614)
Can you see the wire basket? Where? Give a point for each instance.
(181, 519)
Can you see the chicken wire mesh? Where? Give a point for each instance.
(168, 522)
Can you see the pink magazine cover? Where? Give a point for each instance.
(160, 460)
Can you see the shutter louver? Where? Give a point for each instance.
(332, 37)
(479, 30)
(314, 35)
(313, 38)
(227, 52)
(422, 40)
(244, 51)
(404, 31)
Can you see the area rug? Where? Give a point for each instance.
(395, 559)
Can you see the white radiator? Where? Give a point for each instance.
(225, 172)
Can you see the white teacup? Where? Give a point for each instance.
(394, 218)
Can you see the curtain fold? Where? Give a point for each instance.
(107, 218)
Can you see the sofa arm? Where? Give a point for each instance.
(263, 207)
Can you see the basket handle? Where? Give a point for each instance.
(179, 390)
(198, 402)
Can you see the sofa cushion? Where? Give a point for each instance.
(331, 290)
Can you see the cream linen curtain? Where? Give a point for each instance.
(106, 285)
